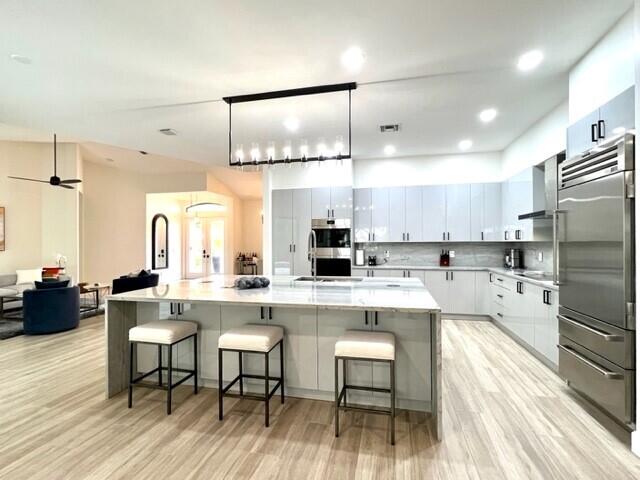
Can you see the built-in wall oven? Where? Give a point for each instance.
(330, 247)
(594, 235)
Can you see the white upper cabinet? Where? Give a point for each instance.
(458, 212)
(282, 232)
(582, 135)
(397, 231)
(380, 214)
(492, 212)
(362, 214)
(434, 213)
(477, 211)
(341, 202)
(413, 213)
(321, 202)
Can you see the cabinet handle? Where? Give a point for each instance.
(409, 273)
(366, 318)
(375, 317)
(447, 273)
(171, 308)
(369, 236)
(499, 279)
(373, 236)
(261, 313)
(448, 236)
(506, 235)
(407, 236)
(500, 296)
(404, 273)
(601, 129)
(270, 313)
(332, 213)
(451, 275)
(594, 133)
(294, 248)
(403, 236)
(481, 235)
(499, 314)
(443, 236)
(491, 278)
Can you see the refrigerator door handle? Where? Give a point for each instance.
(605, 336)
(556, 247)
(605, 373)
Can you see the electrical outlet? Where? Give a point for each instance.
(540, 256)
(452, 253)
(387, 254)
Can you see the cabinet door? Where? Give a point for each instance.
(458, 213)
(300, 346)
(359, 272)
(301, 209)
(521, 311)
(362, 214)
(397, 231)
(413, 378)
(207, 316)
(545, 339)
(321, 202)
(390, 273)
(462, 292)
(234, 316)
(579, 135)
(380, 214)
(341, 202)
(419, 274)
(413, 213)
(492, 212)
(507, 224)
(618, 115)
(477, 211)
(434, 213)
(483, 293)
(438, 286)
(282, 232)
(331, 325)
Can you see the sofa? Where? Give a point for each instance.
(140, 281)
(11, 292)
(50, 310)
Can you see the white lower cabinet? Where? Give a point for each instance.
(520, 311)
(453, 290)
(483, 293)
(545, 320)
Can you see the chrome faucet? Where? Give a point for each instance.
(311, 252)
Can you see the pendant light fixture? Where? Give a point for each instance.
(322, 152)
(204, 207)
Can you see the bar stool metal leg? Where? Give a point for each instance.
(159, 364)
(266, 389)
(281, 372)
(219, 384)
(169, 379)
(344, 379)
(195, 364)
(131, 347)
(241, 379)
(337, 407)
(392, 374)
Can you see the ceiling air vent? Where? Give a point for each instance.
(390, 128)
(168, 131)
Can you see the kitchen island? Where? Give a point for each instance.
(313, 314)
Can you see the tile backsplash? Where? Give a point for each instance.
(481, 254)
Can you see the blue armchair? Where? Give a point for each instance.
(51, 310)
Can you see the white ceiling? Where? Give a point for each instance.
(109, 72)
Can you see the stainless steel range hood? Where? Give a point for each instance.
(550, 167)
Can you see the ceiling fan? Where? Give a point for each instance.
(55, 180)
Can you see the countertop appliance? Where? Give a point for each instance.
(594, 268)
(359, 257)
(513, 258)
(372, 261)
(329, 248)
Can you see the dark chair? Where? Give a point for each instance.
(51, 310)
(128, 284)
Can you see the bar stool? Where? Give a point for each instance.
(260, 339)
(370, 346)
(163, 332)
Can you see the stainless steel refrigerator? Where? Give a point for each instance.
(594, 243)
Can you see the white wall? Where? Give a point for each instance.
(604, 72)
(41, 221)
(251, 226)
(311, 174)
(545, 138)
(427, 170)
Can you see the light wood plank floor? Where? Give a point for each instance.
(506, 417)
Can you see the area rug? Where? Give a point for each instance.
(10, 328)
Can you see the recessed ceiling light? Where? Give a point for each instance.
(465, 144)
(353, 59)
(530, 60)
(20, 58)
(292, 124)
(487, 115)
(389, 149)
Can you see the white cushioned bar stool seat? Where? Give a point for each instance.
(251, 338)
(163, 332)
(365, 345)
(369, 345)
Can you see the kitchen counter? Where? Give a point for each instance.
(548, 284)
(380, 294)
(312, 314)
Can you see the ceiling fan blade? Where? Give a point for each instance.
(69, 187)
(29, 179)
(71, 180)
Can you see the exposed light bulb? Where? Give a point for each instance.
(255, 153)
(292, 124)
(304, 150)
(286, 151)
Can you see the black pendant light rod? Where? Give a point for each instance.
(292, 92)
(55, 158)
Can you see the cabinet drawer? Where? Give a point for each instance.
(503, 281)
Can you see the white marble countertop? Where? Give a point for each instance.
(390, 294)
(499, 270)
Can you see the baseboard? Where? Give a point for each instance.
(460, 316)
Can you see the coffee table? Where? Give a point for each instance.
(7, 296)
(98, 291)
